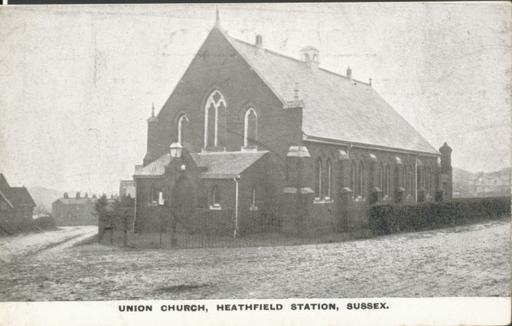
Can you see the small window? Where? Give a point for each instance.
(153, 195)
(253, 206)
(215, 199)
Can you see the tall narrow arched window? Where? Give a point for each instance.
(253, 206)
(328, 188)
(214, 103)
(387, 181)
(404, 177)
(182, 124)
(250, 128)
(353, 170)
(361, 179)
(419, 178)
(381, 177)
(318, 178)
(388, 176)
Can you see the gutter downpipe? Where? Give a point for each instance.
(236, 208)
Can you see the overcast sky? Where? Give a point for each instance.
(77, 83)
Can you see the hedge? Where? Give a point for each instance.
(392, 218)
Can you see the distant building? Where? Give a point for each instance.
(481, 184)
(493, 183)
(127, 187)
(74, 211)
(16, 207)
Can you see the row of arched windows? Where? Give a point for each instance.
(405, 178)
(215, 123)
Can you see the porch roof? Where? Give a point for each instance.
(225, 165)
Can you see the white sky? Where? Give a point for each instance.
(77, 82)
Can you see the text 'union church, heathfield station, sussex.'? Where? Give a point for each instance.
(251, 138)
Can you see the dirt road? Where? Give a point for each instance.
(469, 260)
(23, 245)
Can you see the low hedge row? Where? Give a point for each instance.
(392, 218)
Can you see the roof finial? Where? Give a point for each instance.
(153, 110)
(217, 17)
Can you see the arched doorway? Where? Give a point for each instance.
(182, 202)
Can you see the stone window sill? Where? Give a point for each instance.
(323, 201)
(253, 208)
(215, 207)
(358, 198)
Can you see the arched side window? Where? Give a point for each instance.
(215, 198)
(353, 168)
(328, 188)
(404, 176)
(387, 181)
(318, 178)
(214, 103)
(388, 177)
(253, 206)
(360, 182)
(250, 128)
(381, 177)
(182, 124)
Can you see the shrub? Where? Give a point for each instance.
(46, 222)
(392, 218)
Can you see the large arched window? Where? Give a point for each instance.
(318, 179)
(182, 124)
(328, 188)
(250, 128)
(215, 103)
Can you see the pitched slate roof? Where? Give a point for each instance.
(335, 107)
(153, 169)
(224, 165)
(18, 196)
(76, 201)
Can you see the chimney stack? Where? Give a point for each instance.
(311, 56)
(259, 41)
(66, 195)
(349, 72)
(86, 195)
(77, 195)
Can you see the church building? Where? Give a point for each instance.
(251, 139)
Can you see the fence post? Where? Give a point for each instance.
(125, 227)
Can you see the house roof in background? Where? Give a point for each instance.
(76, 201)
(225, 165)
(335, 106)
(18, 196)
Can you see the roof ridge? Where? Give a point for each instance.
(297, 60)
